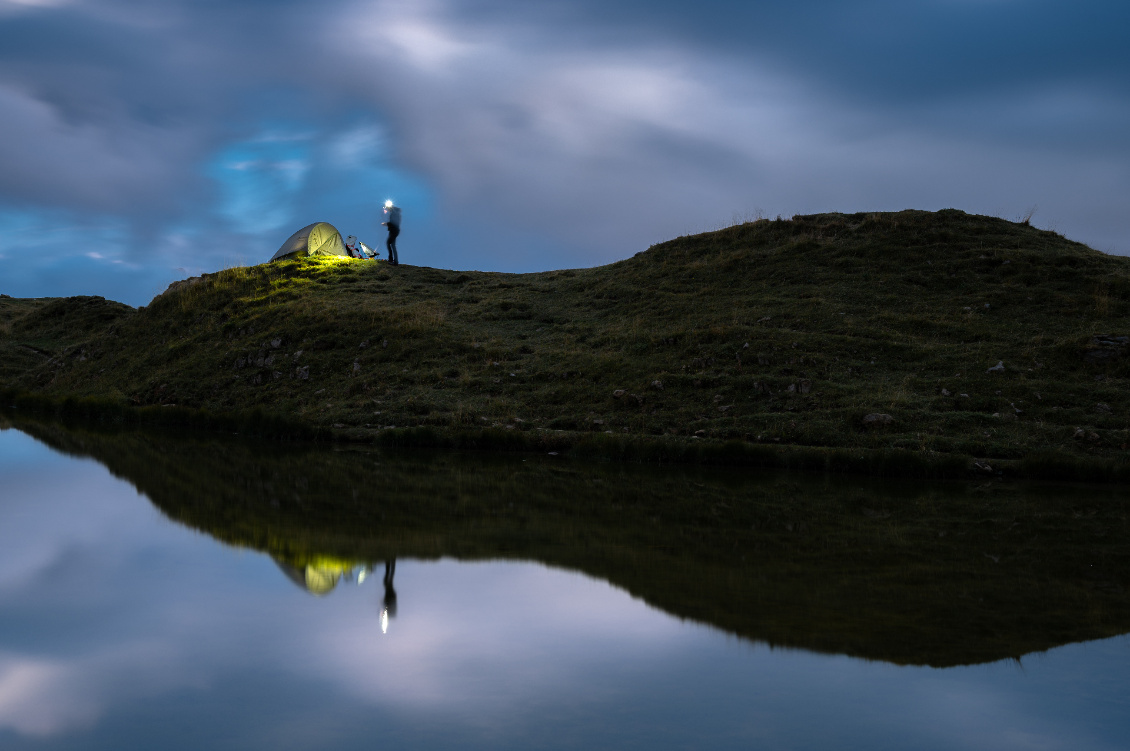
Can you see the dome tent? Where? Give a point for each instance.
(317, 239)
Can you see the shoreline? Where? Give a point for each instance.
(1045, 466)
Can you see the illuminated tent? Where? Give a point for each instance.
(317, 239)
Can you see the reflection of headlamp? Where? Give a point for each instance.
(384, 620)
(388, 204)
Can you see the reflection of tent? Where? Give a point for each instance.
(314, 580)
(318, 575)
(317, 239)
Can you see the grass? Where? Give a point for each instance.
(770, 333)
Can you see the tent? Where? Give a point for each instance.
(317, 239)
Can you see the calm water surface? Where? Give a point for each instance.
(122, 629)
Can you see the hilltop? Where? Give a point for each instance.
(941, 334)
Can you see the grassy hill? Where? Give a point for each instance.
(787, 333)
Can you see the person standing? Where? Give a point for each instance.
(392, 221)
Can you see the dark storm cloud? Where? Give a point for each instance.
(110, 105)
(883, 49)
(555, 133)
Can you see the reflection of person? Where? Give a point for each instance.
(389, 601)
(388, 605)
(392, 221)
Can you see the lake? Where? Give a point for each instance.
(198, 593)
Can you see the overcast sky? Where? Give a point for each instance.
(143, 141)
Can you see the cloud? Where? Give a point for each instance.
(107, 167)
(539, 135)
(37, 698)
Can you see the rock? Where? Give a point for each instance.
(363, 344)
(805, 386)
(983, 466)
(598, 422)
(182, 284)
(276, 343)
(338, 425)
(241, 363)
(1101, 407)
(945, 392)
(725, 408)
(269, 361)
(638, 398)
(791, 389)
(618, 393)
(1092, 436)
(657, 385)
(302, 373)
(1079, 433)
(718, 397)
(700, 433)
(998, 368)
(356, 367)
(875, 419)
(1106, 347)
(297, 355)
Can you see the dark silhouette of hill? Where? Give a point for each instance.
(938, 334)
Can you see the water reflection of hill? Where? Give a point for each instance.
(912, 574)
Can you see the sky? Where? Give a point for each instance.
(144, 141)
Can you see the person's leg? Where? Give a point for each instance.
(390, 245)
(393, 233)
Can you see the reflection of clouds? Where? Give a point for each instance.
(163, 608)
(38, 697)
(49, 516)
(499, 651)
(487, 636)
(49, 696)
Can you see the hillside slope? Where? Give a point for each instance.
(787, 332)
